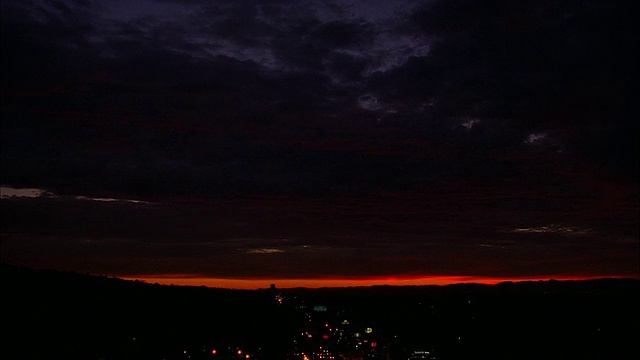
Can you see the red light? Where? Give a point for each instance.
(214, 351)
(325, 336)
(374, 344)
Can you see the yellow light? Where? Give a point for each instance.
(247, 356)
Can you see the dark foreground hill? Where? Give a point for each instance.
(47, 314)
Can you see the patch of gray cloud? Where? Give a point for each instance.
(264, 251)
(10, 192)
(552, 228)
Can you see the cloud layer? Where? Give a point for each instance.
(465, 121)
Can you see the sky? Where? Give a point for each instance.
(320, 143)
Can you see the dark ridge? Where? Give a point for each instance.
(49, 314)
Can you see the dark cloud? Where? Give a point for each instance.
(449, 230)
(237, 99)
(548, 65)
(540, 67)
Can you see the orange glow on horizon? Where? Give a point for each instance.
(283, 283)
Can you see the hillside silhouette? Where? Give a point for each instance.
(48, 314)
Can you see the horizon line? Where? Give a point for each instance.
(328, 282)
(317, 283)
